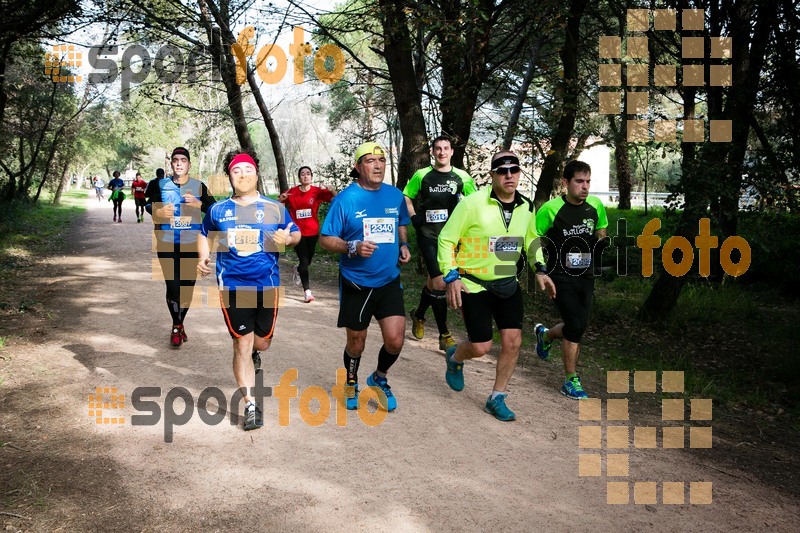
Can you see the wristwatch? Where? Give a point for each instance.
(352, 248)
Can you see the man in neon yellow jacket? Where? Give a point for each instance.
(479, 249)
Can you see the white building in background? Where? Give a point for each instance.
(599, 158)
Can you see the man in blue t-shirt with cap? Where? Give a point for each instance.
(366, 223)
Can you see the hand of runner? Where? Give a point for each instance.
(366, 248)
(191, 200)
(405, 255)
(546, 284)
(280, 237)
(283, 196)
(454, 290)
(165, 211)
(204, 267)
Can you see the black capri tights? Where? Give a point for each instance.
(574, 298)
(305, 253)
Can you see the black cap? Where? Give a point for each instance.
(180, 150)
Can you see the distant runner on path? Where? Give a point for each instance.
(303, 202)
(116, 186)
(138, 187)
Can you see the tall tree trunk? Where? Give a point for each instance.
(62, 184)
(621, 162)
(274, 138)
(408, 98)
(220, 53)
(464, 69)
(570, 90)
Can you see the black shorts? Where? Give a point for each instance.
(574, 296)
(140, 202)
(478, 309)
(247, 311)
(428, 249)
(357, 305)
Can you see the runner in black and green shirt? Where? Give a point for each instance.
(436, 190)
(573, 230)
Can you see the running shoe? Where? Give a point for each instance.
(417, 326)
(253, 418)
(309, 297)
(572, 389)
(115, 218)
(296, 276)
(351, 395)
(119, 220)
(455, 371)
(177, 336)
(257, 361)
(542, 347)
(387, 399)
(183, 334)
(446, 341)
(139, 219)
(499, 409)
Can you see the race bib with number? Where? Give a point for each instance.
(379, 230)
(433, 216)
(180, 222)
(244, 241)
(303, 213)
(579, 260)
(504, 244)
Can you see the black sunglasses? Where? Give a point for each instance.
(506, 170)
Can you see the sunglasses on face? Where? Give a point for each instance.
(507, 170)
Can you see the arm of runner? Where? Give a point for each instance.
(405, 253)
(203, 251)
(333, 244)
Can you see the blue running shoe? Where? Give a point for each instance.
(542, 347)
(387, 399)
(572, 389)
(455, 371)
(351, 395)
(498, 408)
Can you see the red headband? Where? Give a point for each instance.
(242, 158)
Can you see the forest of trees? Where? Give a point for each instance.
(489, 73)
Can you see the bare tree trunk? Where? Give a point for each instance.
(570, 90)
(62, 184)
(220, 53)
(274, 138)
(408, 98)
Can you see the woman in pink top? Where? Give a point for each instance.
(303, 202)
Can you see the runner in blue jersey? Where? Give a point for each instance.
(116, 185)
(247, 231)
(176, 204)
(366, 223)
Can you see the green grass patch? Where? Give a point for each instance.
(28, 231)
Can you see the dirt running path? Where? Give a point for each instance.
(438, 463)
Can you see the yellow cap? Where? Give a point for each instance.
(368, 148)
